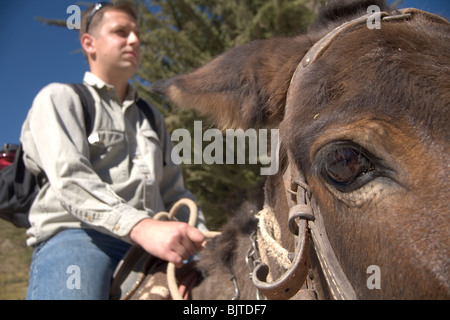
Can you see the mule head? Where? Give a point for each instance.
(373, 112)
(367, 124)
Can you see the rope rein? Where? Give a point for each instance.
(269, 236)
(171, 277)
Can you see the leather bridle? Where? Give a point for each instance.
(305, 219)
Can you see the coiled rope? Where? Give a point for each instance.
(171, 278)
(269, 236)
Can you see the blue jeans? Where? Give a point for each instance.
(75, 264)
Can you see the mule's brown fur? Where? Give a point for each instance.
(383, 91)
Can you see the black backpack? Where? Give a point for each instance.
(19, 187)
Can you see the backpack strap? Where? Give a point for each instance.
(88, 103)
(145, 108)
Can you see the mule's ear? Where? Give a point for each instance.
(243, 88)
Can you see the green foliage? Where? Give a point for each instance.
(181, 35)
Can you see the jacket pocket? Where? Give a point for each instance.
(106, 139)
(109, 153)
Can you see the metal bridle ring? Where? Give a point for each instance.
(301, 211)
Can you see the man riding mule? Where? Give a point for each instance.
(360, 206)
(103, 189)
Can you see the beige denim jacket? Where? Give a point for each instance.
(108, 181)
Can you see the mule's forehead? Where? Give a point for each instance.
(399, 74)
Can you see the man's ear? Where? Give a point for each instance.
(88, 44)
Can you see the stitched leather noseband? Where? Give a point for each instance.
(305, 219)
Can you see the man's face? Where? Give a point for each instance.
(117, 42)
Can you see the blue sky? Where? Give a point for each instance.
(34, 54)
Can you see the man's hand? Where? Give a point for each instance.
(168, 240)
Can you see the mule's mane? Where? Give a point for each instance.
(223, 249)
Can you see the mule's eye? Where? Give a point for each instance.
(347, 168)
(344, 165)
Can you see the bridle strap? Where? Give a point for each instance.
(338, 283)
(293, 279)
(320, 46)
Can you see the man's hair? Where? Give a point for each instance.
(98, 15)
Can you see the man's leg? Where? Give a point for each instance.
(75, 264)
